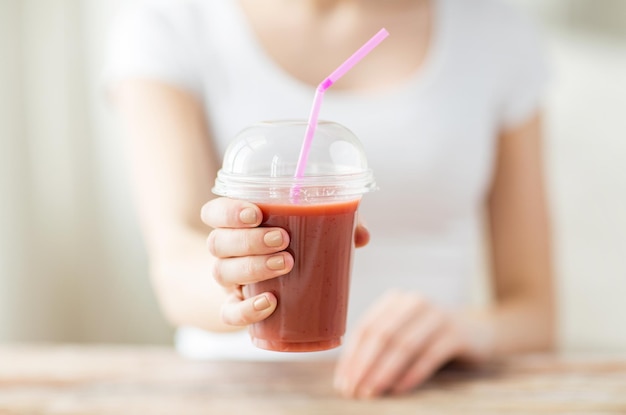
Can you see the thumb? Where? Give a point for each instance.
(361, 234)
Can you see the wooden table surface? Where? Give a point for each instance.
(152, 380)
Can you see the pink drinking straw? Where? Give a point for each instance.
(319, 95)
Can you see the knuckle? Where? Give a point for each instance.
(361, 334)
(225, 316)
(245, 241)
(250, 267)
(204, 213)
(417, 299)
(245, 319)
(233, 315)
(386, 336)
(236, 315)
(407, 345)
(211, 243)
(418, 302)
(217, 273)
(232, 217)
(229, 317)
(415, 309)
(382, 337)
(439, 319)
(220, 212)
(365, 332)
(209, 212)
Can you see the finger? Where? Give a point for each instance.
(226, 243)
(361, 233)
(352, 347)
(361, 236)
(237, 312)
(381, 330)
(438, 352)
(378, 315)
(400, 352)
(223, 212)
(249, 269)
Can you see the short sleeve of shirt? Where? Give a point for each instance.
(525, 69)
(154, 39)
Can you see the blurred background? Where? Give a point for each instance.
(72, 263)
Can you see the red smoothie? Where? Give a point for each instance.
(313, 297)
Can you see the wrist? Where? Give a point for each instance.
(478, 337)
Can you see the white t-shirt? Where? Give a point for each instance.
(429, 141)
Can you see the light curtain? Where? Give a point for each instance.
(72, 266)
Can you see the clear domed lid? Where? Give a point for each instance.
(260, 164)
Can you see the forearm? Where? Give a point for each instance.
(187, 293)
(522, 318)
(172, 165)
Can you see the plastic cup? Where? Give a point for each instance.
(318, 210)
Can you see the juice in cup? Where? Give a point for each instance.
(321, 242)
(318, 211)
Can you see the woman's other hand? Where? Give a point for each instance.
(399, 344)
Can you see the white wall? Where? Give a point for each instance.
(587, 155)
(72, 266)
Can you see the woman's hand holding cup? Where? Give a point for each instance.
(244, 253)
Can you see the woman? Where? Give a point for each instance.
(448, 109)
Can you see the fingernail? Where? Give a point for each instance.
(248, 216)
(261, 303)
(273, 238)
(277, 262)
